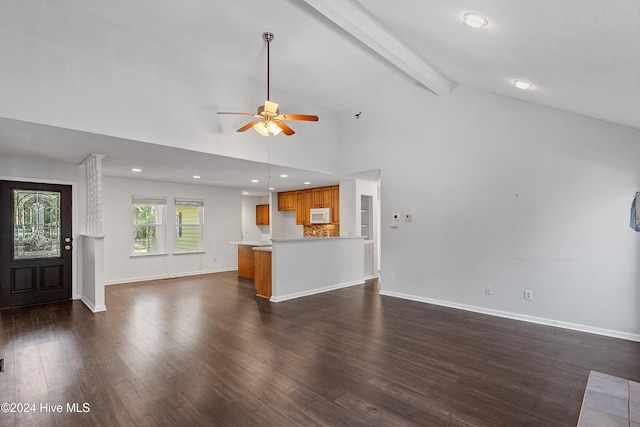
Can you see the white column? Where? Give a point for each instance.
(92, 244)
(94, 194)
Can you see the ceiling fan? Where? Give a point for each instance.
(270, 121)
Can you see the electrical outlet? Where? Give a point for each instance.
(407, 217)
(488, 290)
(393, 276)
(528, 295)
(214, 259)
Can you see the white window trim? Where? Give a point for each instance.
(190, 202)
(151, 200)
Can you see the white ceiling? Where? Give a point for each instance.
(581, 56)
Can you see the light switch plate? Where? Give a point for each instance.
(407, 217)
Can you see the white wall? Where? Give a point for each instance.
(283, 223)
(503, 193)
(222, 224)
(251, 231)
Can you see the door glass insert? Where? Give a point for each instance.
(36, 224)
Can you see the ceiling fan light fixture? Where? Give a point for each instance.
(261, 128)
(273, 127)
(267, 127)
(474, 20)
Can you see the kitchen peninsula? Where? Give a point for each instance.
(301, 266)
(311, 265)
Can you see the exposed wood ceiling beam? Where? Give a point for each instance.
(359, 23)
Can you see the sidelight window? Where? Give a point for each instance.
(149, 219)
(189, 215)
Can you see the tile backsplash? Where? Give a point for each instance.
(320, 230)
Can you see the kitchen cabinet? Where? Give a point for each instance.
(303, 204)
(246, 264)
(263, 273)
(287, 201)
(321, 197)
(262, 214)
(335, 204)
(302, 201)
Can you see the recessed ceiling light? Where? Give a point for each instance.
(272, 188)
(254, 180)
(245, 193)
(522, 84)
(196, 176)
(283, 176)
(307, 183)
(474, 20)
(136, 170)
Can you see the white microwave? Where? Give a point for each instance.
(320, 216)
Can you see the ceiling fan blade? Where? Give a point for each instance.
(285, 129)
(247, 126)
(300, 117)
(241, 114)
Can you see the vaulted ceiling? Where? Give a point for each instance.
(581, 56)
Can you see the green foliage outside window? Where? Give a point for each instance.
(148, 228)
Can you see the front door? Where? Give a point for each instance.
(35, 243)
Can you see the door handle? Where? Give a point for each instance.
(67, 247)
(67, 239)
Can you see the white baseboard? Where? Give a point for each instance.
(92, 307)
(316, 291)
(168, 276)
(522, 317)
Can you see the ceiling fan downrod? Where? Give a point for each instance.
(268, 37)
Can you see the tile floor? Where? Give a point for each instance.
(610, 401)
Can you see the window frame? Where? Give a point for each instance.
(160, 225)
(200, 226)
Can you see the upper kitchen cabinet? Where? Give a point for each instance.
(262, 214)
(287, 201)
(321, 197)
(335, 204)
(302, 201)
(303, 204)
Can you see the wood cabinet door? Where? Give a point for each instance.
(303, 204)
(287, 201)
(300, 207)
(262, 214)
(326, 197)
(321, 197)
(335, 204)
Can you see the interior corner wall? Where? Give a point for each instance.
(222, 224)
(250, 230)
(504, 193)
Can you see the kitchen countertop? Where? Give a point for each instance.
(313, 238)
(251, 243)
(262, 248)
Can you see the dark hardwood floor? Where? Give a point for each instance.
(204, 350)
